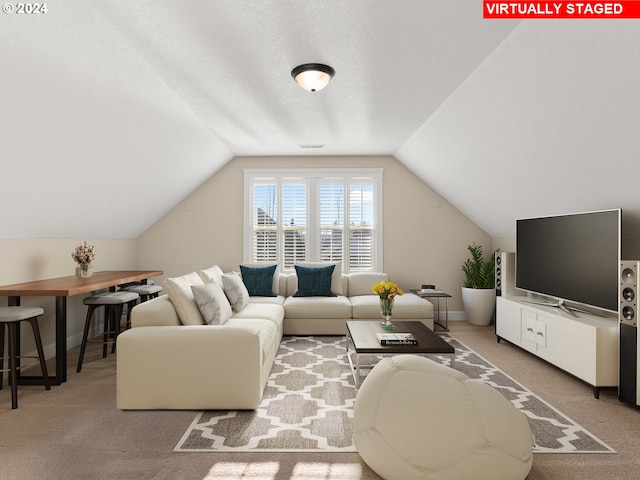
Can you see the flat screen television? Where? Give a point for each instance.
(574, 258)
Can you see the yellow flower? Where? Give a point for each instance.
(386, 290)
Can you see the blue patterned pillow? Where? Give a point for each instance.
(314, 282)
(259, 280)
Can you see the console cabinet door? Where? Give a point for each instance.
(508, 320)
(534, 332)
(529, 319)
(541, 332)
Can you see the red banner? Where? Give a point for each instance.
(560, 9)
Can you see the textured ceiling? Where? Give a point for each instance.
(231, 62)
(135, 104)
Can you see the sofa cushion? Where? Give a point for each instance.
(360, 283)
(235, 290)
(277, 300)
(259, 280)
(268, 311)
(180, 294)
(212, 274)
(314, 281)
(336, 276)
(212, 303)
(404, 307)
(318, 307)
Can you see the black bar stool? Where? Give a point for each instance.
(113, 302)
(11, 318)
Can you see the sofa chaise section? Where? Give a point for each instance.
(199, 367)
(164, 364)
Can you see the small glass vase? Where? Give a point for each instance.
(386, 310)
(84, 270)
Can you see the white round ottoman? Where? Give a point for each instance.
(417, 419)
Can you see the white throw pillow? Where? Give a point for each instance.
(336, 277)
(180, 294)
(212, 303)
(213, 274)
(235, 291)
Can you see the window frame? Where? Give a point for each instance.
(313, 178)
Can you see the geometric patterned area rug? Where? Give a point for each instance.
(554, 432)
(308, 406)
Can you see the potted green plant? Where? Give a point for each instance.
(479, 290)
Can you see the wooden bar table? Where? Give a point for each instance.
(64, 287)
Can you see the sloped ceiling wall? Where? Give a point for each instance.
(547, 124)
(93, 143)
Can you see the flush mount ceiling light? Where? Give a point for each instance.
(313, 76)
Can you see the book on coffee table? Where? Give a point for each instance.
(396, 339)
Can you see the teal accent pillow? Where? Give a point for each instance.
(259, 280)
(314, 282)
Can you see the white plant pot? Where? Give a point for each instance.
(479, 304)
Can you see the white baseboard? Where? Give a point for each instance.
(50, 350)
(453, 316)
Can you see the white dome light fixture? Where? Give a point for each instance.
(313, 77)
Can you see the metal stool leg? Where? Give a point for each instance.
(130, 306)
(107, 330)
(1, 354)
(13, 364)
(117, 316)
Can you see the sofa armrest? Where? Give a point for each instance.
(190, 367)
(155, 312)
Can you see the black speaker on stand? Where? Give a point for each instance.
(628, 315)
(498, 273)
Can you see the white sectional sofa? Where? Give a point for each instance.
(171, 359)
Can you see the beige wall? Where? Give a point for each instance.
(425, 238)
(25, 260)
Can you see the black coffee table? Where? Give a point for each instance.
(362, 340)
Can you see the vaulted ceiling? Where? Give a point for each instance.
(114, 111)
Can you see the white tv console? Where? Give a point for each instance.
(585, 346)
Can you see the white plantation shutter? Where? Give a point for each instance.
(264, 218)
(361, 227)
(332, 221)
(294, 221)
(331, 215)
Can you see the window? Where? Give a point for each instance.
(331, 215)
